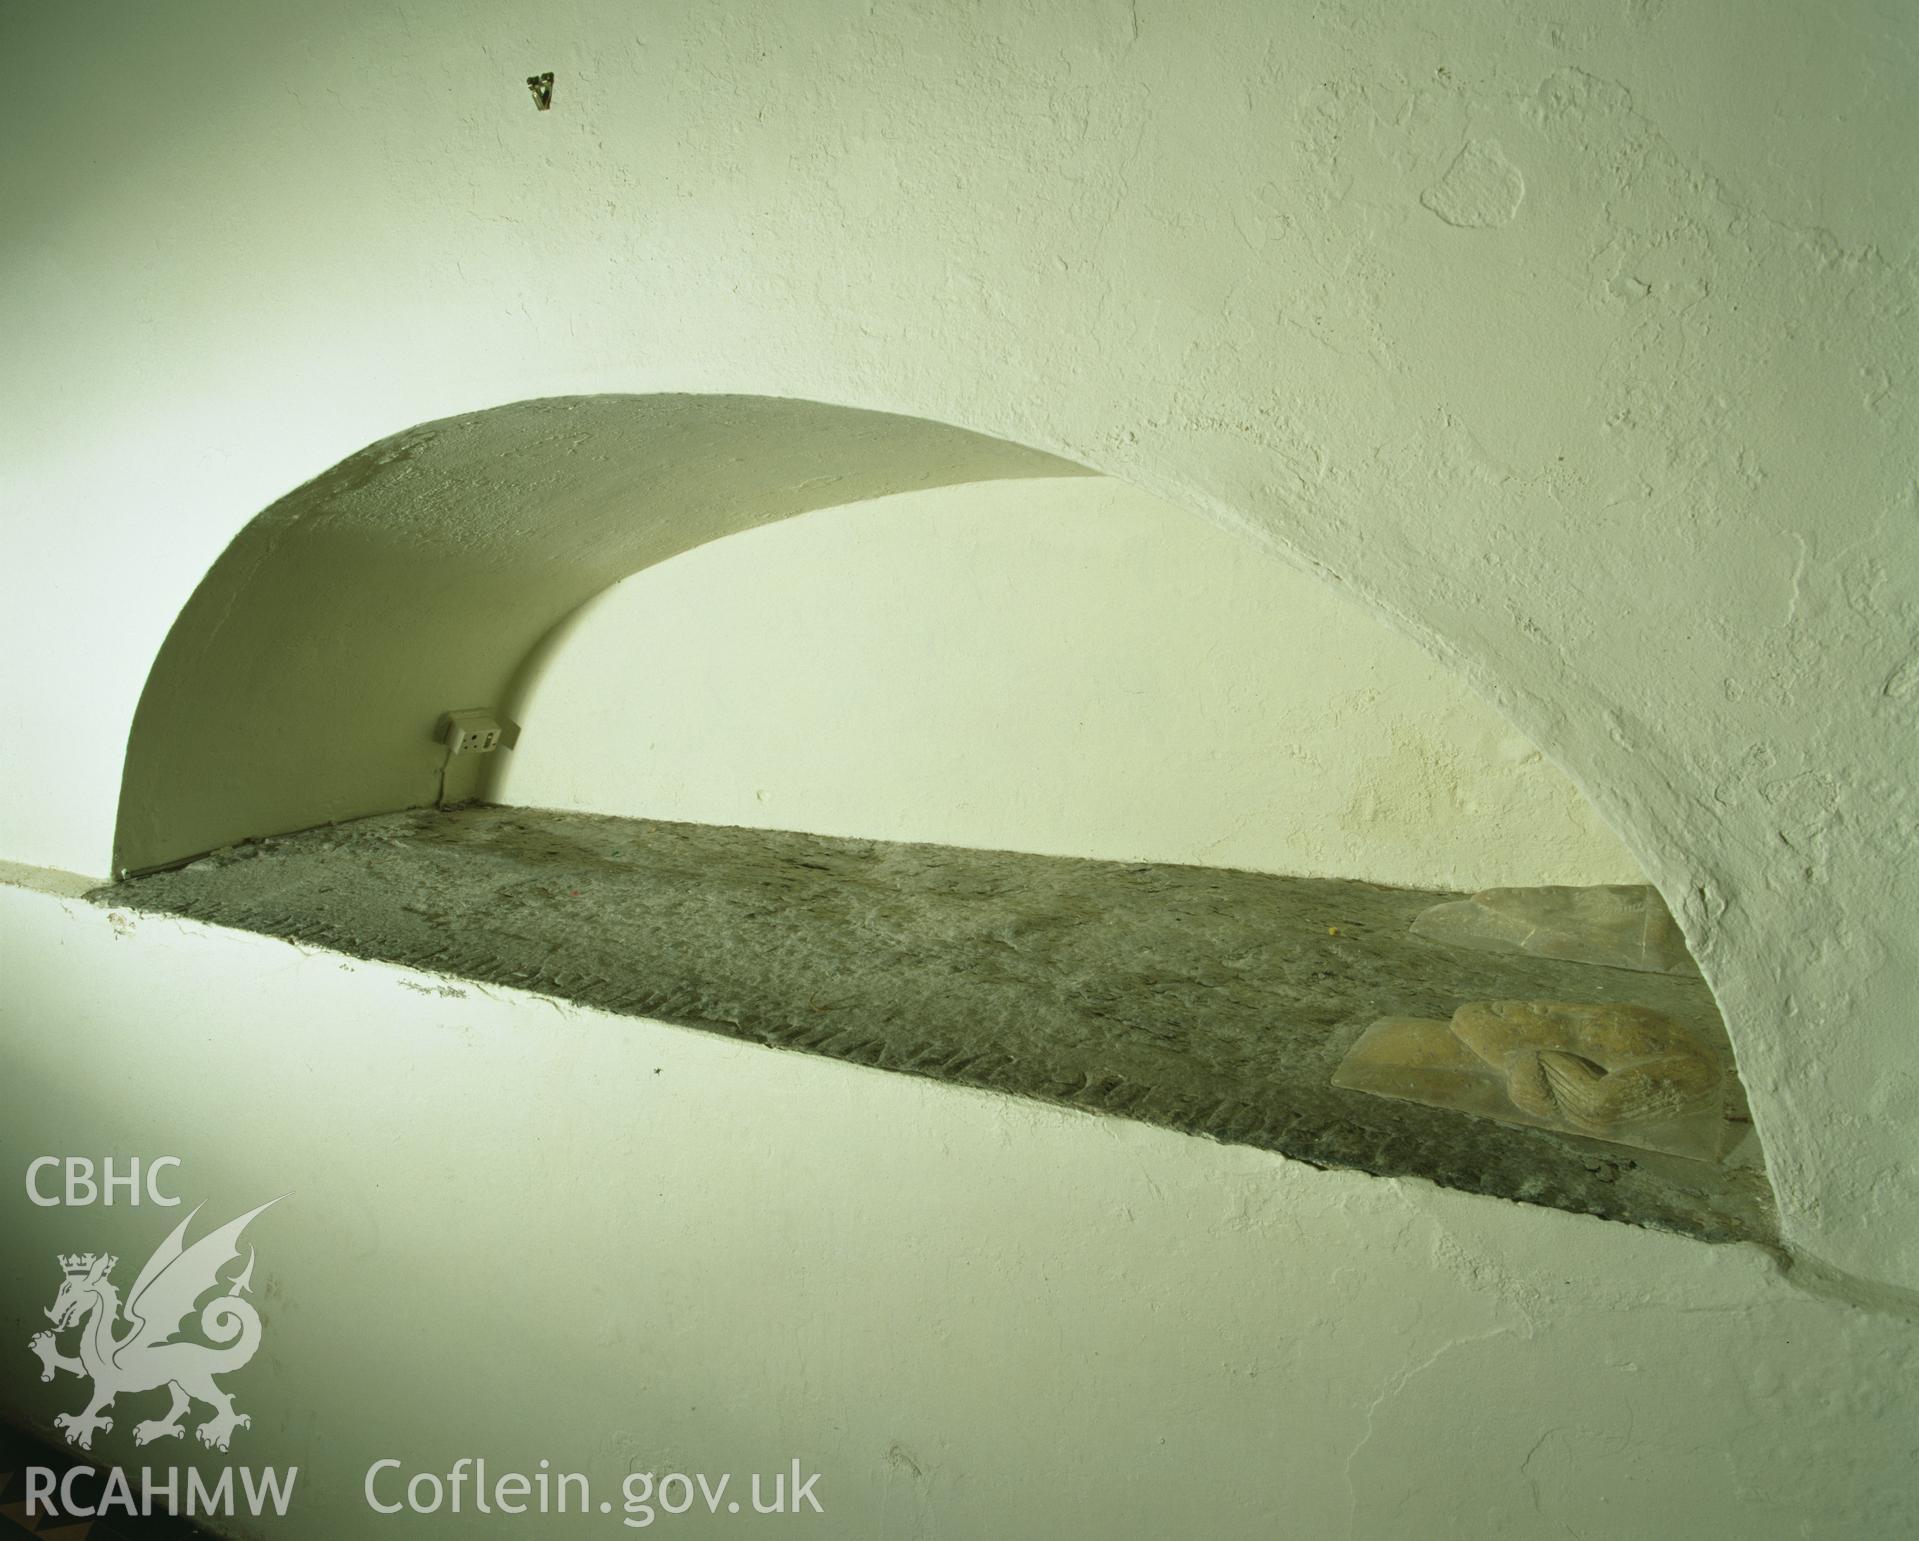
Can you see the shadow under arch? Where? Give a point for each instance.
(304, 680)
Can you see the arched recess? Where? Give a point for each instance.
(305, 679)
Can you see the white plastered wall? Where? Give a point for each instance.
(1577, 344)
(1066, 666)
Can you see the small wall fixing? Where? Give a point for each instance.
(474, 732)
(542, 88)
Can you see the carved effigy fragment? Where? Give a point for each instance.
(1618, 925)
(1609, 1071)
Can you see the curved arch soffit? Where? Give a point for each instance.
(305, 679)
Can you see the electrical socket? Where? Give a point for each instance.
(471, 733)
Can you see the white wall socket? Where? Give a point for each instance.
(472, 732)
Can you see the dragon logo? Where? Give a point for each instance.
(147, 1356)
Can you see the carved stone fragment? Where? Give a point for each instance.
(1619, 925)
(1609, 1071)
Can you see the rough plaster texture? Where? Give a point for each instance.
(1210, 1001)
(1066, 666)
(524, 1230)
(1637, 462)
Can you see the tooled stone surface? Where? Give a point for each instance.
(1206, 1000)
(1619, 925)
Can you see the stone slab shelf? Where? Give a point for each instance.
(1210, 1001)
